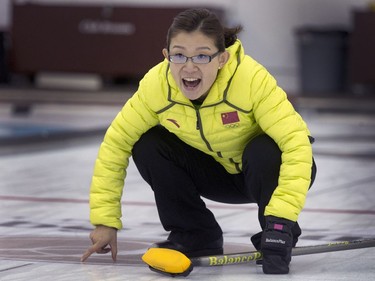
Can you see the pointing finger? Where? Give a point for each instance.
(97, 247)
(86, 254)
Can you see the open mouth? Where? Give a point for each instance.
(191, 83)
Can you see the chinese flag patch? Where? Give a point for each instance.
(229, 117)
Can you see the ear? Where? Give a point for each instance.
(223, 58)
(165, 53)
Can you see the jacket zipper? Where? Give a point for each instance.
(198, 125)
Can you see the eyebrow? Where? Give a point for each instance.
(197, 49)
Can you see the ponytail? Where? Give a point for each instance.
(230, 35)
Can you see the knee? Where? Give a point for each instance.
(147, 142)
(262, 152)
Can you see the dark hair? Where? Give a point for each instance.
(206, 22)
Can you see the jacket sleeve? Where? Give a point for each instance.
(107, 183)
(278, 119)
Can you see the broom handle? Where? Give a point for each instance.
(298, 251)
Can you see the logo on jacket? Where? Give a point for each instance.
(230, 117)
(174, 122)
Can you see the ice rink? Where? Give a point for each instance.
(46, 160)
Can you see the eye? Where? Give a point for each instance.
(201, 56)
(179, 56)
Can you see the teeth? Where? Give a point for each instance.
(190, 79)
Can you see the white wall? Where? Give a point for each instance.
(270, 30)
(269, 25)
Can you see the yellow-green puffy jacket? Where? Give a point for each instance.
(244, 102)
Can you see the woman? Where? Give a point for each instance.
(207, 121)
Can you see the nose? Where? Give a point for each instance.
(189, 64)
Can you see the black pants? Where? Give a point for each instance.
(180, 174)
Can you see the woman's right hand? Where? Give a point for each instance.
(104, 240)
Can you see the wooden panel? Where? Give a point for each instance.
(362, 49)
(116, 41)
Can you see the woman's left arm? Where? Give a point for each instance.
(278, 119)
